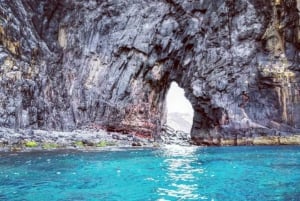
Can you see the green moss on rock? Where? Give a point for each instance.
(50, 146)
(31, 144)
(79, 144)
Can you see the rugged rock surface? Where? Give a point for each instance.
(89, 139)
(67, 64)
(169, 135)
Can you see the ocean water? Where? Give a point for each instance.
(171, 173)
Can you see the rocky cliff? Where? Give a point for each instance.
(67, 64)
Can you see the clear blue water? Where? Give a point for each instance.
(173, 173)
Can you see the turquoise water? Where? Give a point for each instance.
(172, 173)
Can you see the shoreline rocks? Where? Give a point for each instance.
(171, 136)
(22, 140)
(85, 139)
(12, 140)
(249, 141)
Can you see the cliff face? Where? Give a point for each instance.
(67, 64)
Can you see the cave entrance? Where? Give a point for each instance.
(180, 112)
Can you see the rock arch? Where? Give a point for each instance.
(69, 64)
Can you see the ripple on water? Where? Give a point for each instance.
(170, 173)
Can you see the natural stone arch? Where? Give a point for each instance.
(110, 64)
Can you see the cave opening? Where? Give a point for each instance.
(180, 112)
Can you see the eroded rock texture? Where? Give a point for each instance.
(67, 64)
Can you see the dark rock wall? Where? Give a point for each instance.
(67, 64)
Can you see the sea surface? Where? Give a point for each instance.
(170, 173)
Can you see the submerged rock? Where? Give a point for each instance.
(68, 64)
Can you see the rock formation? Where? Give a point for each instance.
(65, 64)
